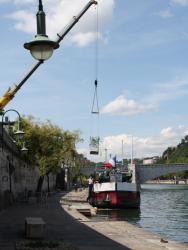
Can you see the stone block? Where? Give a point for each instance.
(34, 228)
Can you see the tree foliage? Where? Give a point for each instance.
(178, 154)
(49, 146)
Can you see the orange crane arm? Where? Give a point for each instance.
(5, 99)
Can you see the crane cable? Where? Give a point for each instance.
(95, 139)
(95, 104)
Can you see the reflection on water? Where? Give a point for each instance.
(163, 209)
(132, 215)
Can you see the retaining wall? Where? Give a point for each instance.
(16, 176)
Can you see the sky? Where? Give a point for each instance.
(142, 71)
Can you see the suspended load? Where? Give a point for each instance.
(94, 140)
(94, 145)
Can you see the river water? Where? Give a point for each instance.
(163, 210)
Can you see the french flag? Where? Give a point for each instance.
(111, 163)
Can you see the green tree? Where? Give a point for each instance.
(49, 146)
(178, 154)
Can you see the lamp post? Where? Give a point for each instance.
(18, 133)
(41, 47)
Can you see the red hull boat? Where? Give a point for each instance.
(115, 190)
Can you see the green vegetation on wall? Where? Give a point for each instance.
(178, 154)
(50, 147)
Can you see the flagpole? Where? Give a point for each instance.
(105, 154)
(131, 149)
(122, 151)
(122, 154)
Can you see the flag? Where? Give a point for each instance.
(111, 163)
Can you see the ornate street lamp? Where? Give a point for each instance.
(18, 133)
(41, 47)
(24, 149)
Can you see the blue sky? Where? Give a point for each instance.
(143, 71)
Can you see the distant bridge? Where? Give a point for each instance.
(147, 172)
(152, 171)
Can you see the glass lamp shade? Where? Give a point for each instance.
(24, 149)
(19, 133)
(41, 52)
(41, 47)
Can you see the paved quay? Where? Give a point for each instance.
(59, 225)
(63, 221)
(120, 231)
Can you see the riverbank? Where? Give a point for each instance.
(175, 182)
(121, 232)
(65, 223)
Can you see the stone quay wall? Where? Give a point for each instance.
(16, 176)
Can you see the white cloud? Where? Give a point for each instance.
(24, 19)
(82, 39)
(123, 106)
(168, 133)
(161, 93)
(18, 2)
(180, 2)
(169, 91)
(151, 39)
(142, 146)
(23, 1)
(165, 14)
(59, 13)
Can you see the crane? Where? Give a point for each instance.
(10, 93)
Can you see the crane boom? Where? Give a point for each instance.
(10, 93)
(5, 99)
